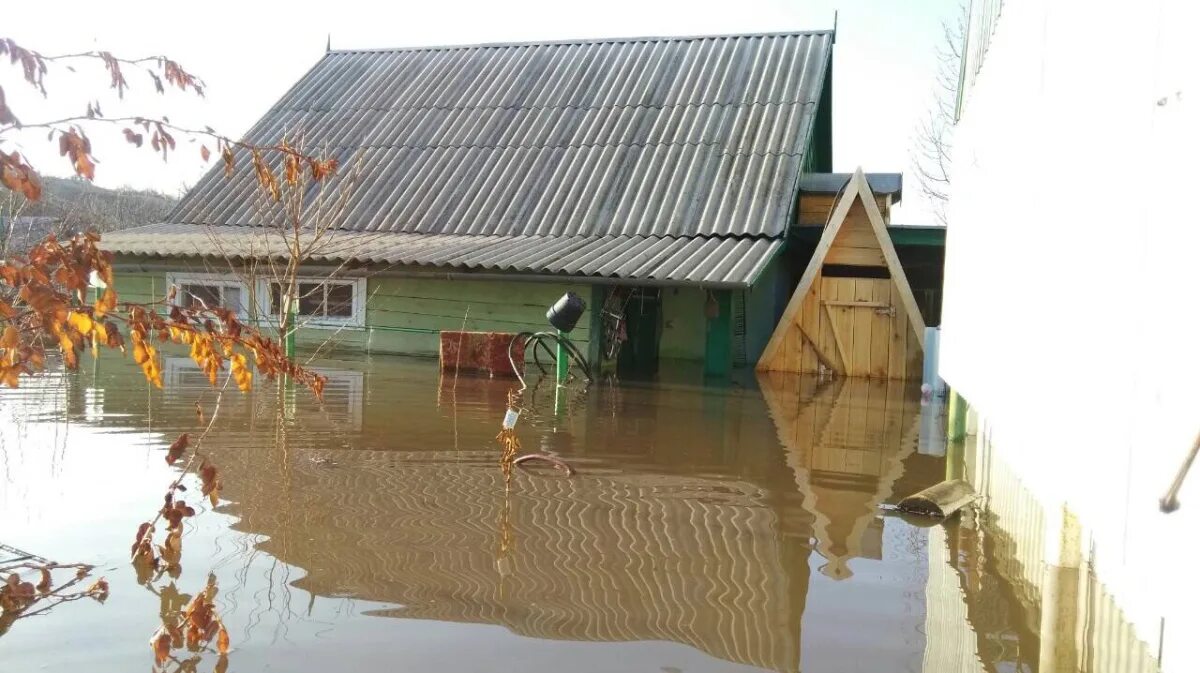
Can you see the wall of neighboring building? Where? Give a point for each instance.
(1069, 319)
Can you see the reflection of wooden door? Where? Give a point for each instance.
(846, 441)
(861, 330)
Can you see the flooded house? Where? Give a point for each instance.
(675, 184)
(1083, 459)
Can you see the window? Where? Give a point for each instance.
(209, 290)
(329, 302)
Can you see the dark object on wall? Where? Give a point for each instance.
(566, 312)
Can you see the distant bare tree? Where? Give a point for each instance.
(72, 205)
(934, 137)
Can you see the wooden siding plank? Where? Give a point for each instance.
(861, 319)
(881, 328)
(898, 349)
(810, 325)
(856, 256)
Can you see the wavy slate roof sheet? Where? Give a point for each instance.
(671, 137)
(713, 262)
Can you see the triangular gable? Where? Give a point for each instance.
(817, 324)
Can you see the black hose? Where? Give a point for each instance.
(538, 341)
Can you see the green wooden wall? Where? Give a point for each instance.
(405, 315)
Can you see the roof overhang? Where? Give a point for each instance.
(707, 261)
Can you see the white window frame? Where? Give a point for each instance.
(221, 280)
(358, 303)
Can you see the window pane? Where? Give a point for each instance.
(233, 299)
(200, 296)
(276, 291)
(311, 299)
(340, 299)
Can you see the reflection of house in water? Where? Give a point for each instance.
(664, 534)
(846, 441)
(606, 556)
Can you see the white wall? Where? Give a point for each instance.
(1072, 300)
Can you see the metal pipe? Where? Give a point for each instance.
(562, 364)
(1170, 501)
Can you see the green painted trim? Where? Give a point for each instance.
(762, 269)
(718, 337)
(595, 327)
(933, 237)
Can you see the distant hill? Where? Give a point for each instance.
(71, 205)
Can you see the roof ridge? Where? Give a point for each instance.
(581, 41)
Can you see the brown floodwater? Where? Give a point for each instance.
(731, 528)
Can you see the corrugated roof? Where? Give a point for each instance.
(672, 158)
(671, 136)
(713, 262)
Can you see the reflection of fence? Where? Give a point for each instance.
(601, 557)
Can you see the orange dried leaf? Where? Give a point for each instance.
(11, 338)
(98, 589)
(44, 585)
(141, 537)
(222, 639)
(210, 485)
(177, 448)
(160, 642)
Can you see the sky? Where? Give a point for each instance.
(250, 52)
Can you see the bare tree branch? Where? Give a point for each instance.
(934, 135)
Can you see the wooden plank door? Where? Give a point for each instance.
(862, 323)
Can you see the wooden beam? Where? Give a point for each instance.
(852, 304)
(810, 274)
(837, 340)
(889, 255)
(816, 348)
